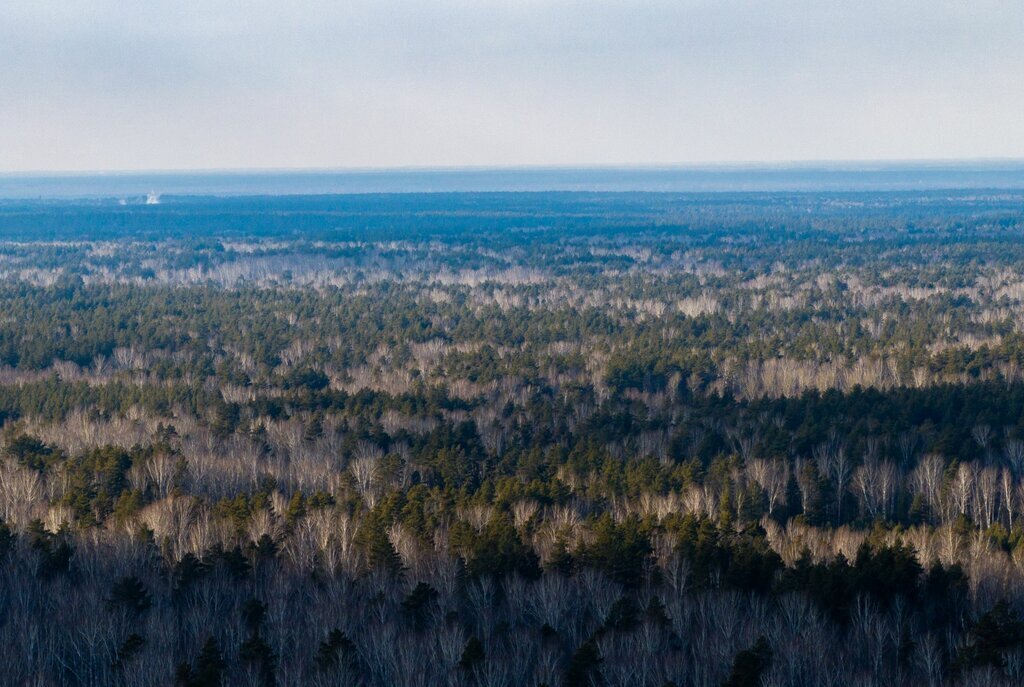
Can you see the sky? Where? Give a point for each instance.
(243, 84)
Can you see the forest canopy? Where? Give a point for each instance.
(513, 439)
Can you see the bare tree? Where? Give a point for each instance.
(1007, 485)
(908, 442)
(930, 660)
(875, 483)
(1013, 451)
(833, 461)
(926, 479)
(982, 435)
(986, 499)
(772, 476)
(743, 441)
(364, 468)
(962, 488)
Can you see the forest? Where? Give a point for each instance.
(504, 439)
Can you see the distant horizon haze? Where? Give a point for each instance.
(824, 163)
(797, 176)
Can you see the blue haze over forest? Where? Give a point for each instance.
(833, 177)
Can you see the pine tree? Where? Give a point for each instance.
(749, 665)
(472, 654)
(130, 594)
(208, 671)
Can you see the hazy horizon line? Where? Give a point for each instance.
(809, 175)
(866, 164)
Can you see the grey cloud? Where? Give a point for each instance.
(107, 84)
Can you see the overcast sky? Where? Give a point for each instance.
(178, 84)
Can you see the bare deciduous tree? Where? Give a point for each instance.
(772, 476)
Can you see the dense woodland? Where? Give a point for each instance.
(513, 439)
